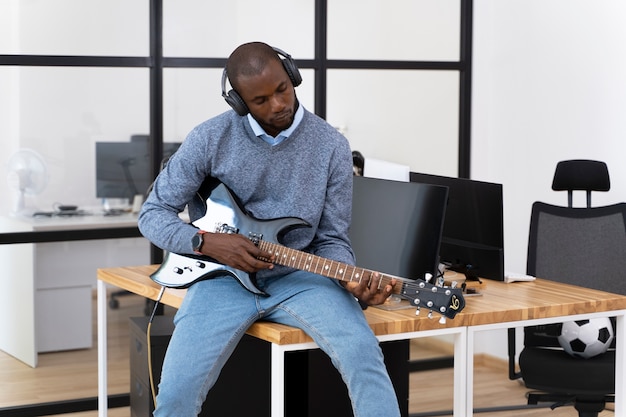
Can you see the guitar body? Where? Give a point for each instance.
(224, 214)
(180, 271)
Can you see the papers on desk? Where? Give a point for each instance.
(385, 170)
(517, 277)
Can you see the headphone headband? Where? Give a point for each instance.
(235, 101)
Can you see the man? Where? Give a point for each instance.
(280, 161)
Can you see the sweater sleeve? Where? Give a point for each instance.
(173, 189)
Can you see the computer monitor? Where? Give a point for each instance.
(396, 226)
(473, 235)
(123, 168)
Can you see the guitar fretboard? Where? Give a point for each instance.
(328, 268)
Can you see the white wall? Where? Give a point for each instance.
(548, 85)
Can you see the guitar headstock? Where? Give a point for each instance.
(446, 301)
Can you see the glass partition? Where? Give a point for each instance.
(75, 27)
(60, 113)
(407, 117)
(193, 28)
(408, 30)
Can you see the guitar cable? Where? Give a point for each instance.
(150, 372)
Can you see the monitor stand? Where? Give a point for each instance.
(115, 205)
(471, 273)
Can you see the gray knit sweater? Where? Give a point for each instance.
(308, 175)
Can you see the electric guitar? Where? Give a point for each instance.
(225, 215)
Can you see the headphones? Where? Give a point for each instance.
(235, 101)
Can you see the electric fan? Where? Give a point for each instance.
(27, 175)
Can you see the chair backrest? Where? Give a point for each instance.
(581, 246)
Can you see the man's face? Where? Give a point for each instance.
(270, 97)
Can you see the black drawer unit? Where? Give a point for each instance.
(243, 387)
(313, 387)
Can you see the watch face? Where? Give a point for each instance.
(196, 242)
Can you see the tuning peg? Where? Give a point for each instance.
(428, 276)
(440, 281)
(430, 314)
(453, 284)
(442, 320)
(417, 311)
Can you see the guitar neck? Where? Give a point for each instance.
(328, 268)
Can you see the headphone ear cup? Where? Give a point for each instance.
(235, 101)
(292, 71)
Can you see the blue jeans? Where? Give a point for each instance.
(216, 313)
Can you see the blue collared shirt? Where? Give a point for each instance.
(260, 132)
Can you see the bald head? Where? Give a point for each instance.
(249, 59)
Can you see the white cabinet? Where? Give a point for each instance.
(46, 302)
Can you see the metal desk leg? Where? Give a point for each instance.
(469, 369)
(463, 371)
(277, 370)
(102, 349)
(620, 365)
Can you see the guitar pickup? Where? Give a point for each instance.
(225, 228)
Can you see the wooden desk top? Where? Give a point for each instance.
(499, 303)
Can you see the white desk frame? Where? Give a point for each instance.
(277, 368)
(464, 336)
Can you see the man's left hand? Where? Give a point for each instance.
(369, 291)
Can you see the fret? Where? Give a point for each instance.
(288, 258)
(325, 268)
(349, 271)
(359, 275)
(281, 256)
(340, 270)
(306, 261)
(296, 256)
(330, 268)
(317, 261)
(352, 274)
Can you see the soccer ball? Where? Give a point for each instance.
(586, 338)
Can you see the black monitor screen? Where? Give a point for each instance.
(473, 236)
(396, 226)
(123, 168)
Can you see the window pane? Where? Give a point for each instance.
(60, 113)
(410, 30)
(406, 117)
(75, 27)
(214, 28)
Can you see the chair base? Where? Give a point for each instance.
(585, 405)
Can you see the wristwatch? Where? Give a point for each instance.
(196, 242)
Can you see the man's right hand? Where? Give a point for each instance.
(236, 251)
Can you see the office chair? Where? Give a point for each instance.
(585, 247)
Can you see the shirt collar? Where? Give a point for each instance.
(260, 132)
